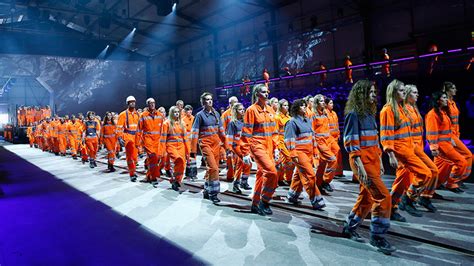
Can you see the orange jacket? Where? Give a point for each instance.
(438, 129)
(127, 125)
(108, 131)
(226, 117)
(62, 129)
(395, 137)
(149, 131)
(321, 128)
(416, 125)
(174, 136)
(281, 120)
(333, 124)
(54, 128)
(29, 132)
(207, 129)
(259, 129)
(454, 115)
(188, 122)
(75, 129)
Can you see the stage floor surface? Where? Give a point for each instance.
(57, 211)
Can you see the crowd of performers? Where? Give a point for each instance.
(28, 115)
(292, 144)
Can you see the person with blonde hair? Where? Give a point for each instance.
(233, 134)
(258, 139)
(395, 136)
(109, 139)
(175, 139)
(285, 166)
(362, 143)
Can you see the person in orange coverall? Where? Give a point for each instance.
(75, 132)
(208, 131)
(386, 66)
(126, 130)
(440, 140)
(285, 166)
(335, 133)
(302, 149)
(175, 139)
(455, 184)
(327, 152)
(62, 139)
(226, 117)
(403, 176)
(233, 134)
(90, 136)
(109, 139)
(260, 139)
(362, 143)
(149, 133)
(30, 135)
(395, 137)
(188, 119)
(347, 65)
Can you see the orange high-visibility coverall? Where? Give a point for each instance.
(301, 144)
(39, 135)
(30, 135)
(22, 117)
(226, 117)
(233, 134)
(335, 133)
(396, 137)
(28, 117)
(75, 136)
(208, 131)
(404, 176)
(191, 167)
(177, 147)
(109, 139)
(54, 135)
(386, 67)
(347, 65)
(458, 146)
(361, 140)
(450, 162)
(91, 133)
(62, 141)
(149, 134)
(285, 166)
(328, 160)
(38, 115)
(126, 129)
(259, 137)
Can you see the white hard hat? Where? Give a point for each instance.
(150, 100)
(130, 98)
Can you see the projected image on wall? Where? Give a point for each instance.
(71, 85)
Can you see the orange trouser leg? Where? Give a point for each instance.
(167, 163)
(429, 185)
(92, 145)
(421, 173)
(327, 166)
(221, 153)
(32, 141)
(339, 167)
(131, 153)
(466, 153)
(177, 158)
(305, 177)
(267, 180)
(285, 169)
(110, 146)
(400, 184)
(451, 165)
(211, 155)
(153, 171)
(62, 144)
(73, 142)
(230, 168)
(241, 170)
(373, 196)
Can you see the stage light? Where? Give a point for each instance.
(164, 7)
(134, 29)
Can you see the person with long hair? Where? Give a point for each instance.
(362, 143)
(285, 166)
(395, 136)
(403, 176)
(335, 134)
(188, 119)
(259, 139)
(233, 134)
(440, 140)
(109, 139)
(90, 136)
(455, 184)
(208, 131)
(328, 161)
(302, 148)
(176, 144)
(226, 117)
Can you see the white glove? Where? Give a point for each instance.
(246, 159)
(277, 154)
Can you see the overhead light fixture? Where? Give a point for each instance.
(164, 7)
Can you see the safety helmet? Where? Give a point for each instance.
(150, 100)
(130, 98)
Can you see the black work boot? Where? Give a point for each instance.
(327, 187)
(245, 185)
(214, 198)
(235, 188)
(382, 245)
(133, 178)
(265, 207)
(409, 207)
(426, 202)
(175, 185)
(351, 234)
(91, 164)
(396, 216)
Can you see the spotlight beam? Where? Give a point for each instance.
(194, 21)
